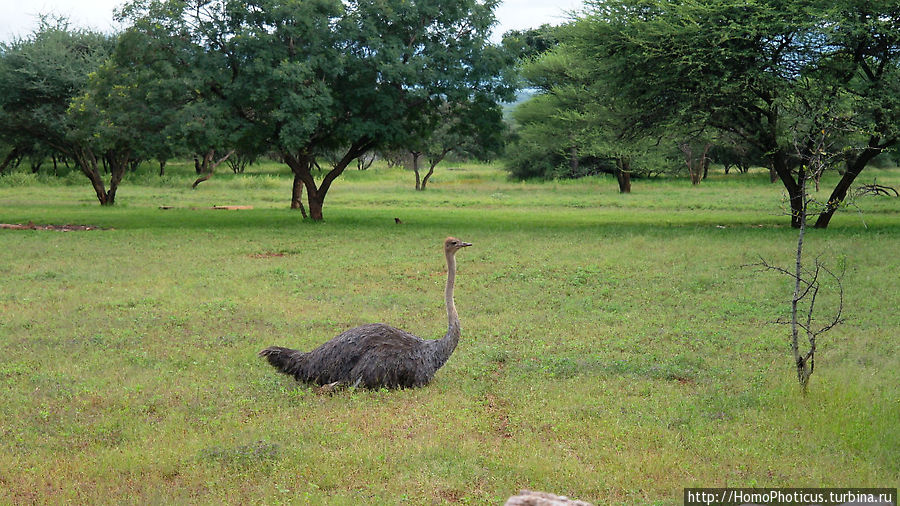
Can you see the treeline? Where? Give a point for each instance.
(317, 84)
(630, 88)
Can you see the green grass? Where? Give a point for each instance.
(614, 349)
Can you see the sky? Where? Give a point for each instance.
(18, 18)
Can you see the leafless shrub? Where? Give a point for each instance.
(816, 155)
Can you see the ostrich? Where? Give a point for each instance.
(376, 355)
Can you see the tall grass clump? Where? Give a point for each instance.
(255, 182)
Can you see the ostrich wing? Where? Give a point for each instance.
(372, 356)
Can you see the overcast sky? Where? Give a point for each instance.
(19, 17)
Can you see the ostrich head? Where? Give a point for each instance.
(452, 245)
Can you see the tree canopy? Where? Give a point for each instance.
(532, 42)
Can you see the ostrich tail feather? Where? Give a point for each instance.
(285, 360)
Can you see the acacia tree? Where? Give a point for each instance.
(729, 66)
(473, 129)
(314, 77)
(816, 154)
(96, 140)
(178, 85)
(867, 66)
(403, 58)
(550, 127)
(695, 65)
(570, 128)
(39, 77)
(118, 120)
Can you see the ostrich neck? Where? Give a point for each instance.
(452, 317)
(447, 344)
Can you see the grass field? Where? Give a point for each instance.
(614, 349)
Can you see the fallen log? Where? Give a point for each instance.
(58, 228)
(229, 208)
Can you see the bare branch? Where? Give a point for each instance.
(815, 153)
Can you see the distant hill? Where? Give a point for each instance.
(521, 96)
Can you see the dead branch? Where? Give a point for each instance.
(875, 190)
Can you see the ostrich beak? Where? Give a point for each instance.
(464, 244)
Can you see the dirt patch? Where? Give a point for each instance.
(267, 254)
(450, 495)
(58, 228)
(682, 380)
(226, 208)
(499, 412)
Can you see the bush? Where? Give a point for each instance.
(18, 179)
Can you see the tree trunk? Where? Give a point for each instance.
(99, 188)
(363, 164)
(208, 168)
(162, 168)
(118, 164)
(315, 207)
(695, 165)
(203, 168)
(854, 167)
(113, 187)
(573, 160)
(804, 364)
(87, 162)
(782, 168)
(10, 157)
(428, 175)
(301, 165)
(623, 174)
(297, 196)
(433, 163)
(415, 163)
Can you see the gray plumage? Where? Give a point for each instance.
(376, 355)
